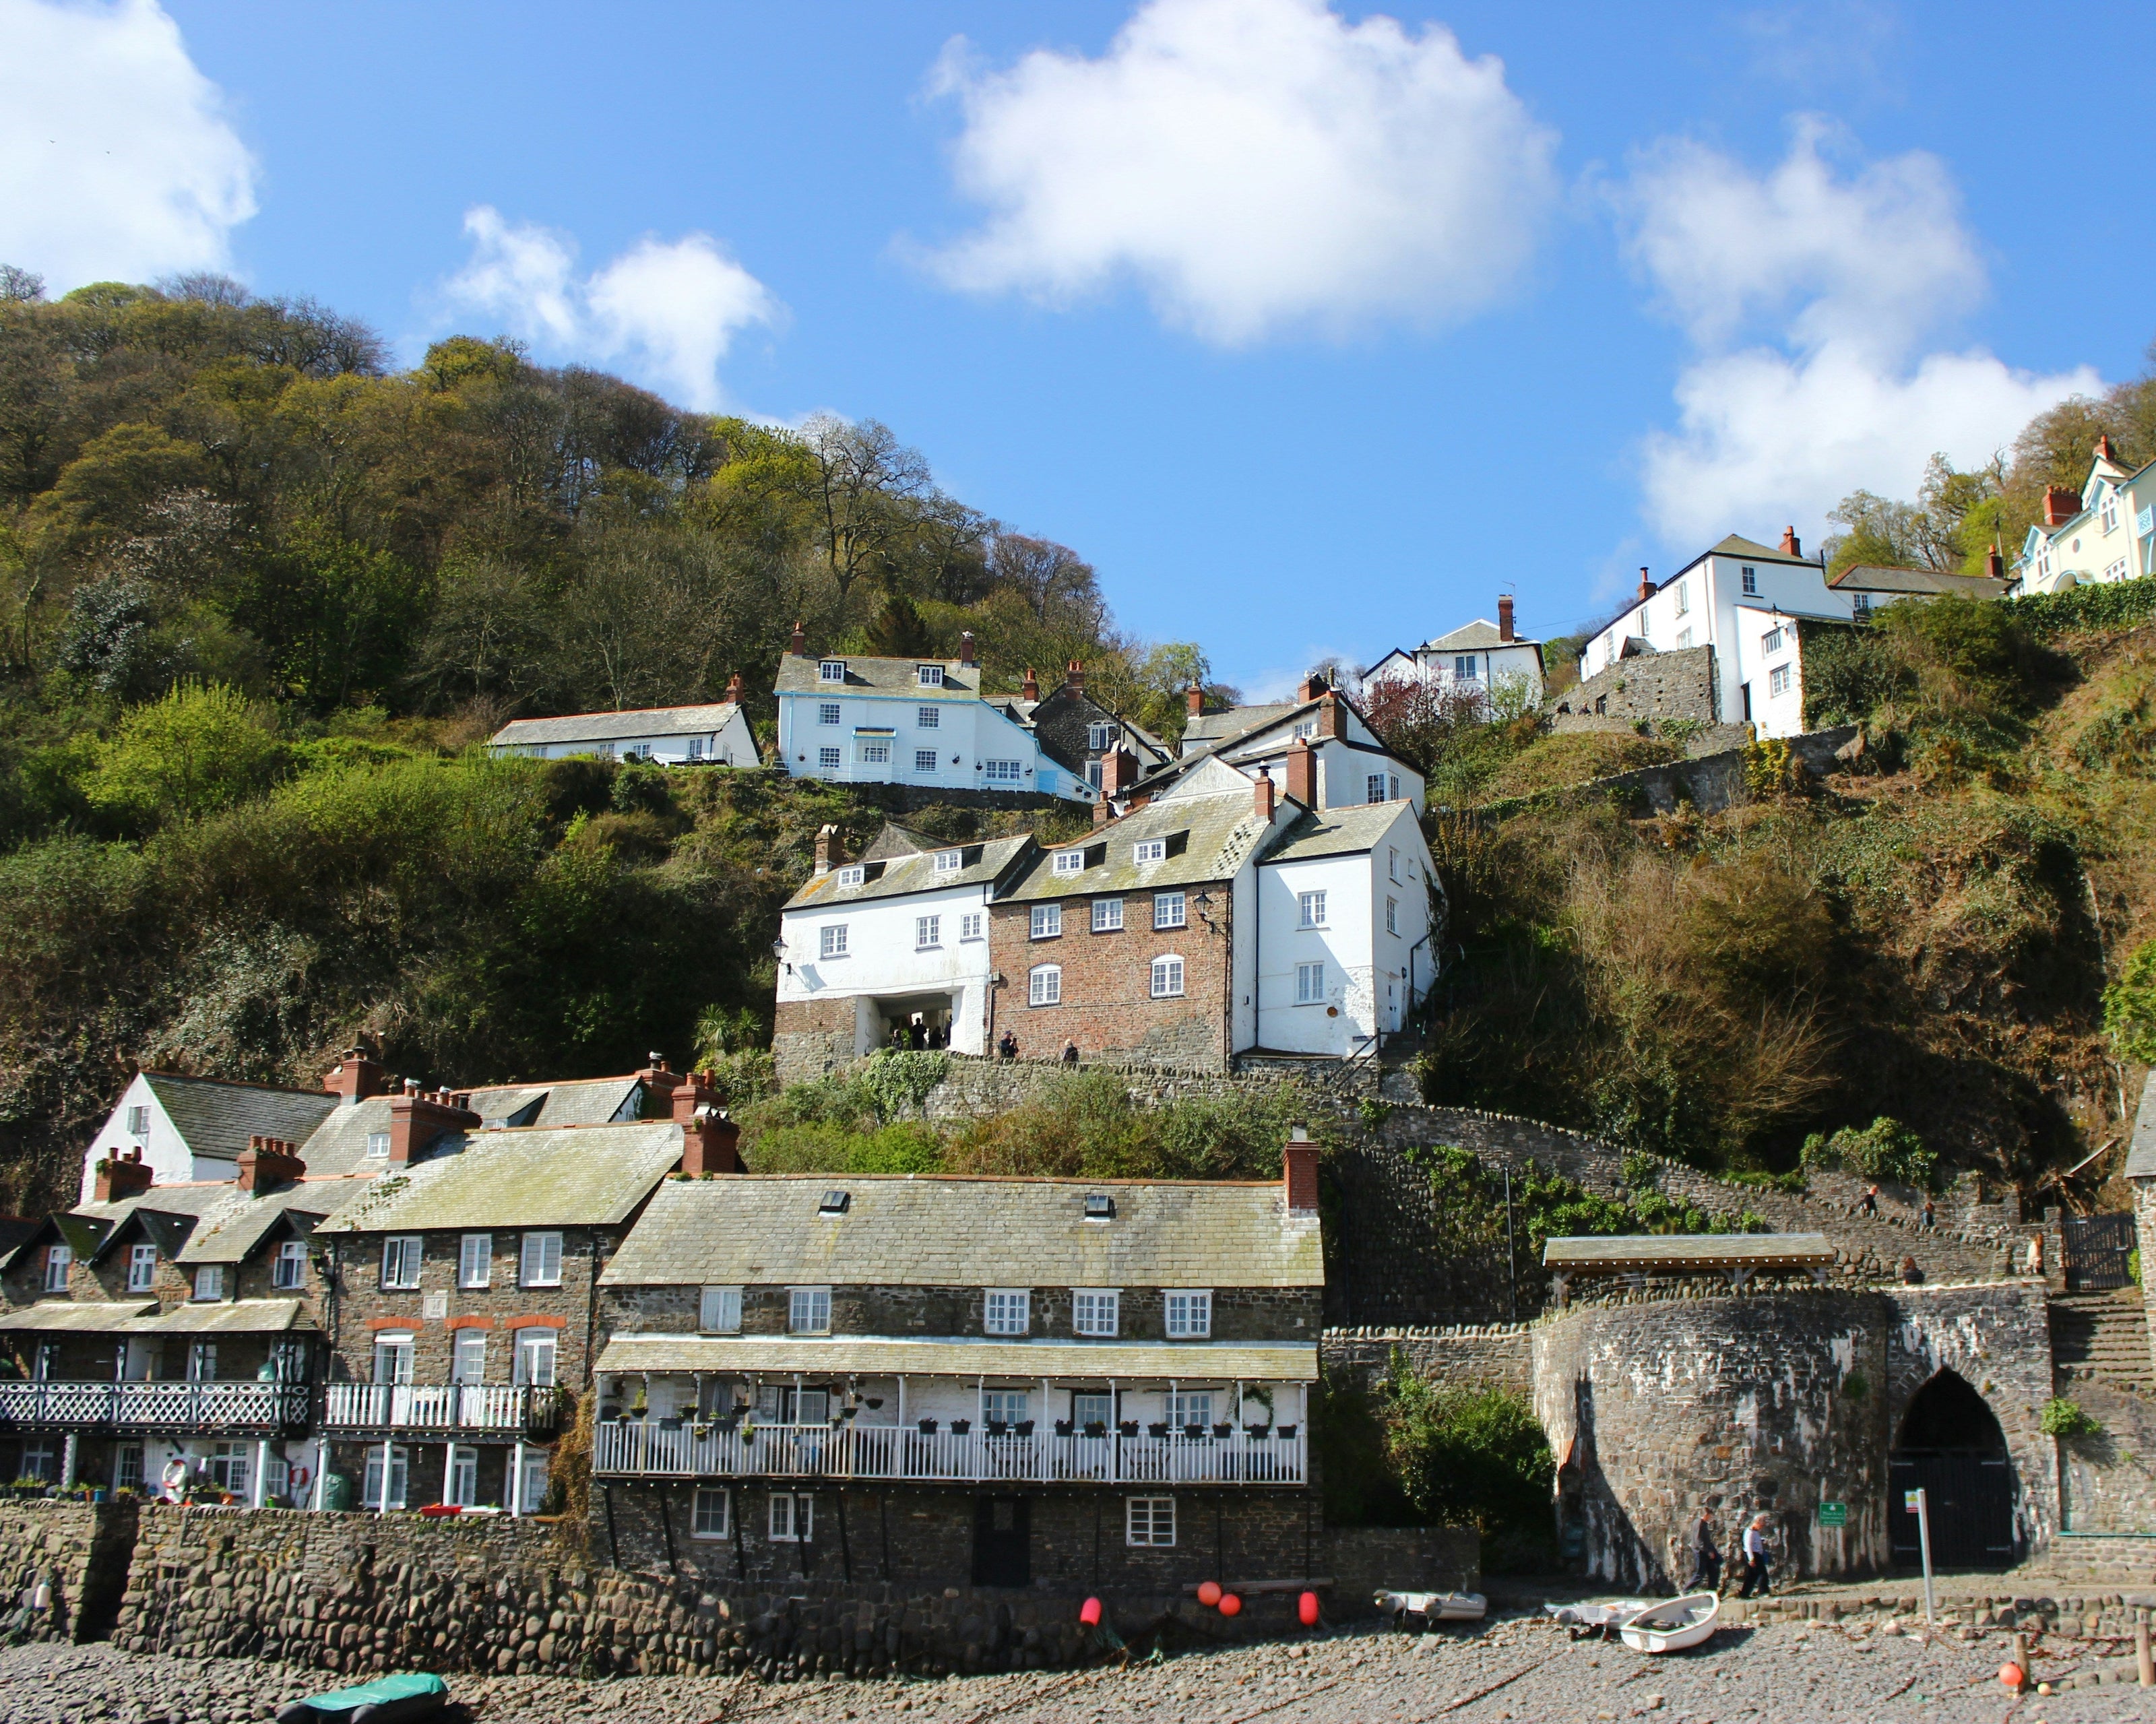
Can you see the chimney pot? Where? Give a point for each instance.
(966, 646)
(1074, 678)
(1299, 1171)
(268, 1162)
(2104, 449)
(1646, 587)
(1505, 616)
(1030, 688)
(416, 1121)
(828, 854)
(119, 1180)
(1312, 689)
(734, 688)
(797, 646)
(1302, 773)
(1195, 695)
(1790, 546)
(1263, 802)
(1994, 565)
(356, 1077)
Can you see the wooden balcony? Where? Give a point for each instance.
(223, 1409)
(451, 1409)
(845, 1453)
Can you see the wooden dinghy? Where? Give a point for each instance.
(1600, 1617)
(1672, 1624)
(387, 1699)
(1420, 1609)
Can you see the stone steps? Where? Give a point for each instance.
(2103, 1337)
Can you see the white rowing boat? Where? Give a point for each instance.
(1672, 1624)
(1432, 1607)
(1604, 1615)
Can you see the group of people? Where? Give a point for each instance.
(914, 1033)
(1007, 1050)
(1750, 1551)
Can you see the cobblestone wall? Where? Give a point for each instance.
(77, 1549)
(1674, 684)
(2107, 1479)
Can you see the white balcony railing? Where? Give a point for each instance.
(155, 1406)
(637, 1447)
(444, 1407)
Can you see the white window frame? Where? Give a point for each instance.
(537, 1351)
(1393, 916)
(792, 1517)
(539, 1258)
(719, 1311)
(1043, 985)
(1684, 598)
(2108, 519)
(1463, 670)
(138, 1121)
(925, 762)
(1069, 862)
(831, 670)
(141, 1267)
(928, 676)
(827, 712)
(1684, 638)
(468, 1358)
(1393, 786)
(1149, 849)
(928, 718)
(1149, 1522)
(1004, 772)
(377, 1144)
(1097, 1311)
(830, 759)
(808, 1310)
(1393, 863)
(950, 861)
(831, 939)
(1374, 787)
(1189, 1313)
(292, 1253)
(1006, 1310)
(711, 1513)
(1310, 909)
(402, 1255)
(1046, 922)
(1100, 737)
(397, 1348)
(1310, 983)
(969, 925)
(1779, 680)
(209, 1282)
(1107, 916)
(873, 750)
(1168, 972)
(1170, 910)
(927, 933)
(475, 1259)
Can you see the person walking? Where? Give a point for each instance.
(1928, 1212)
(1755, 1557)
(1706, 1557)
(1870, 1203)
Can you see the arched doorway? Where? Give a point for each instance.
(1951, 1447)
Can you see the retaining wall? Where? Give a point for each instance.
(1467, 1355)
(80, 1550)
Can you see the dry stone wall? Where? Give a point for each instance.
(1467, 1355)
(78, 1550)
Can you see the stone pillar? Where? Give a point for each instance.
(69, 1447)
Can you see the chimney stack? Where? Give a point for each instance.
(1790, 547)
(734, 688)
(416, 1121)
(356, 1077)
(2060, 506)
(1312, 688)
(799, 645)
(691, 1090)
(2103, 450)
(966, 646)
(1195, 695)
(1262, 803)
(1074, 678)
(1505, 616)
(1330, 722)
(121, 1178)
(1119, 770)
(829, 855)
(1299, 1171)
(660, 1081)
(1994, 565)
(1302, 773)
(1646, 587)
(710, 1143)
(270, 1161)
(1029, 690)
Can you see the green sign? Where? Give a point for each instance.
(1834, 1514)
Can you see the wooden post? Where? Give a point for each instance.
(2141, 1657)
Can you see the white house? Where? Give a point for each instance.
(671, 736)
(188, 1130)
(1873, 587)
(1352, 766)
(1474, 659)
(2106, 532)
(855, 719)
(898, 938)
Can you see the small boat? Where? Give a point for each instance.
(387, 1699)
(1420, 1609)
(1672, 1624)
(1603, 1616)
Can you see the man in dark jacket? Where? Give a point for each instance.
(1706, 1559)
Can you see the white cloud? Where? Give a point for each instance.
(117, 160)
(1811, 297)
(1256, 166)
(666, 311)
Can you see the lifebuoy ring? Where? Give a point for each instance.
(298, 1476)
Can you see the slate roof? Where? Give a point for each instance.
(216, 1118)
(339, 1143)
(576, 1176)
(880, 676)
(232, 1233)
(1026, 1360)
(961, 1232)
(581, 1101)
(2141, 1153)
(83, 1317)
(227, 1317)
(1481, 635)
(1337, 832)
(1873, 577)
(617, 726)
(1216, 834)
(897, 875)
(1737, 545)
(1218, 726)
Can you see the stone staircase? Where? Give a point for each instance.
(2102, 1337)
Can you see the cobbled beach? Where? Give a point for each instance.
(1521, 1668)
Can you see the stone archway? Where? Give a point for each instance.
(1950, 1445)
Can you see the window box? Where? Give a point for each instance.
(960, 1426)
(1159, 1429)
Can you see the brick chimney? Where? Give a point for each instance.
(966, 646)
(660, 1081)
(1790, 547)
(828, 854)
(691, 1090)
(1505, 616)
(1263, 804)
(120, 1177)
(1074, 678)
(416, 1121)
(2103, 450)
(1331, 715)
(356, 1077)
(1994, 565)
(1029, 690)
(734, 688)
(1119, 770)
(2060, 505)
(270, 1161)
(1311, 688)
(1302, 773)
(1299, 1171)
(799, 645)
(1195, 695)
(1646, 587)
(710, 1143)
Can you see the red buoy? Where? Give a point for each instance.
(2012, 1676)
(1231, 1605)
(1209, 1593)
(1089, 1612)
(1306, 1610)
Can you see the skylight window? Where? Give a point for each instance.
(834, 1203)
(1100, 1206)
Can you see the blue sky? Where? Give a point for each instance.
(1312, 330)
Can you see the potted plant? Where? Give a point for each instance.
(959, 1427)
(1192, 1433)
(1257, 1430)
(1287, 1430)
(1023, 1427)
(999, 1427)
(1158, 1427)
(1223, 1429)
(1098, 1427)
(928, 1427)
(1064, 1427)
(1128, 1428)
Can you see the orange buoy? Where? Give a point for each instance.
(1209, 1593)
(2012, 1676)
(1231, 1605)
(1089, 1612)
(1306, 1610)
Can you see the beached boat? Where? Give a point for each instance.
(386, 1700)
(1606, 1615)
(1420, 1610)
(1672, 1624)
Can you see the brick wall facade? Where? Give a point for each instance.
(1108, 1007)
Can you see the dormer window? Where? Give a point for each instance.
(831, 670)
(834, 1203)
(931, 676)
(1149, 849)
(1100, 737)
(851, 876)
(1308, 727)
(1069, 862)
(950, 861)
(378, 1143)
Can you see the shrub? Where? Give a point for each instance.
(198, 750)
(2063, 1417)
(2116, 604)
(2129, 1006)
(1885, 1149)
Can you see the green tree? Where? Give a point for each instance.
(2129, 1005)
(201, 749)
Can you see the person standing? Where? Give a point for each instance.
(1070, 1055)
(1007, 1046)
(1755, 1557)
(1706, 1557)
(1870, 1203)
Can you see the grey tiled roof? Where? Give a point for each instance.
(902, 873)
(1737, 545)
(233, 1232)
(577, 1176)
(1216, 726)
(1216, 833)
(953, 1232)
(339, 1144)
(227, 1317)
(1873, 578)
(615, 726)
(91, 1316)
(1481, 635)
(217, 1118)
(1337, 832)
(1022, 1361)
(2141, 1156)
(880, 676)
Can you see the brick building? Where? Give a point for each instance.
(1037, 1381)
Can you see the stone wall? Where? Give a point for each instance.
(813, 1036)
(1673, 684)
(1467, 1355)
(2107, 1479)
(1708, 782)
(78, 1549)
